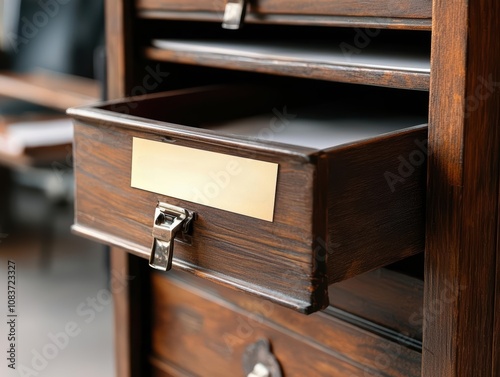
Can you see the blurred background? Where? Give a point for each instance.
(51, 57)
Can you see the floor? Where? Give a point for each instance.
(64, 323)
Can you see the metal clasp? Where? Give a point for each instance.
(234, 14)
(169, 221)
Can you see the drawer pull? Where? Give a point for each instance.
(169, 221)
(259, 370)
(259, 361)
(234, 14)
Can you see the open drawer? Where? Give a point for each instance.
(272, 193)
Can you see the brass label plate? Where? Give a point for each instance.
(235, 184)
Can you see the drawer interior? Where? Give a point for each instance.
(313, 116)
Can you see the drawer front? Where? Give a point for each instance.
(324, 199)
(263, 8)
(272, 259)
(206, 334)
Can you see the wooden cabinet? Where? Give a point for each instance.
(344, 232)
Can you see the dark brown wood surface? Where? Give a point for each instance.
(204, 329)
(387, 298)
(463, 200)
(49, 89)
(385, 8)
(128, 304)
(323, 71)
(375, 203)
(246, 253)
(294, 19)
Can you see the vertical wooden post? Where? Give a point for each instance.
(130, 337)
(463, 190)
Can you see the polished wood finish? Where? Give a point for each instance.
(339, 72)
(461, 306)
(244, 252)
(411, 9)
(205, 329)
(295, 19)
(56, 91)
(464, 141)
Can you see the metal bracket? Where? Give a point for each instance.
(169, 221)
(234, 14)
(259, 361)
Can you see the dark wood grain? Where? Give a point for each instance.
(380, 22)
(385, 297)
(52, 90)
(200, 329)
(462, 207)
(121, 301)
(305, 69)
(119, 47)
(360, 8)
(367, 227)
(495, 354)
(246, 253)
(129, 304)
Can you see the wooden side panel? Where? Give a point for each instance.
(375, 203)
(462, 207)
(206, 329)
(386, 8)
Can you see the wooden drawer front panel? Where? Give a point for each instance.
(290, 260)
(263, 8)
(206, 335)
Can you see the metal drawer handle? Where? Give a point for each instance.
(234, 14)
(259, 361)
(259, 370)
(169, 221)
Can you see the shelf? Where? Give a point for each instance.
(386, 66)
(56, 91)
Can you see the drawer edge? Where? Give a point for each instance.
(135, 249)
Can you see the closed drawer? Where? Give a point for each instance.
(345, 194)
(262, 9)
(197, 331)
